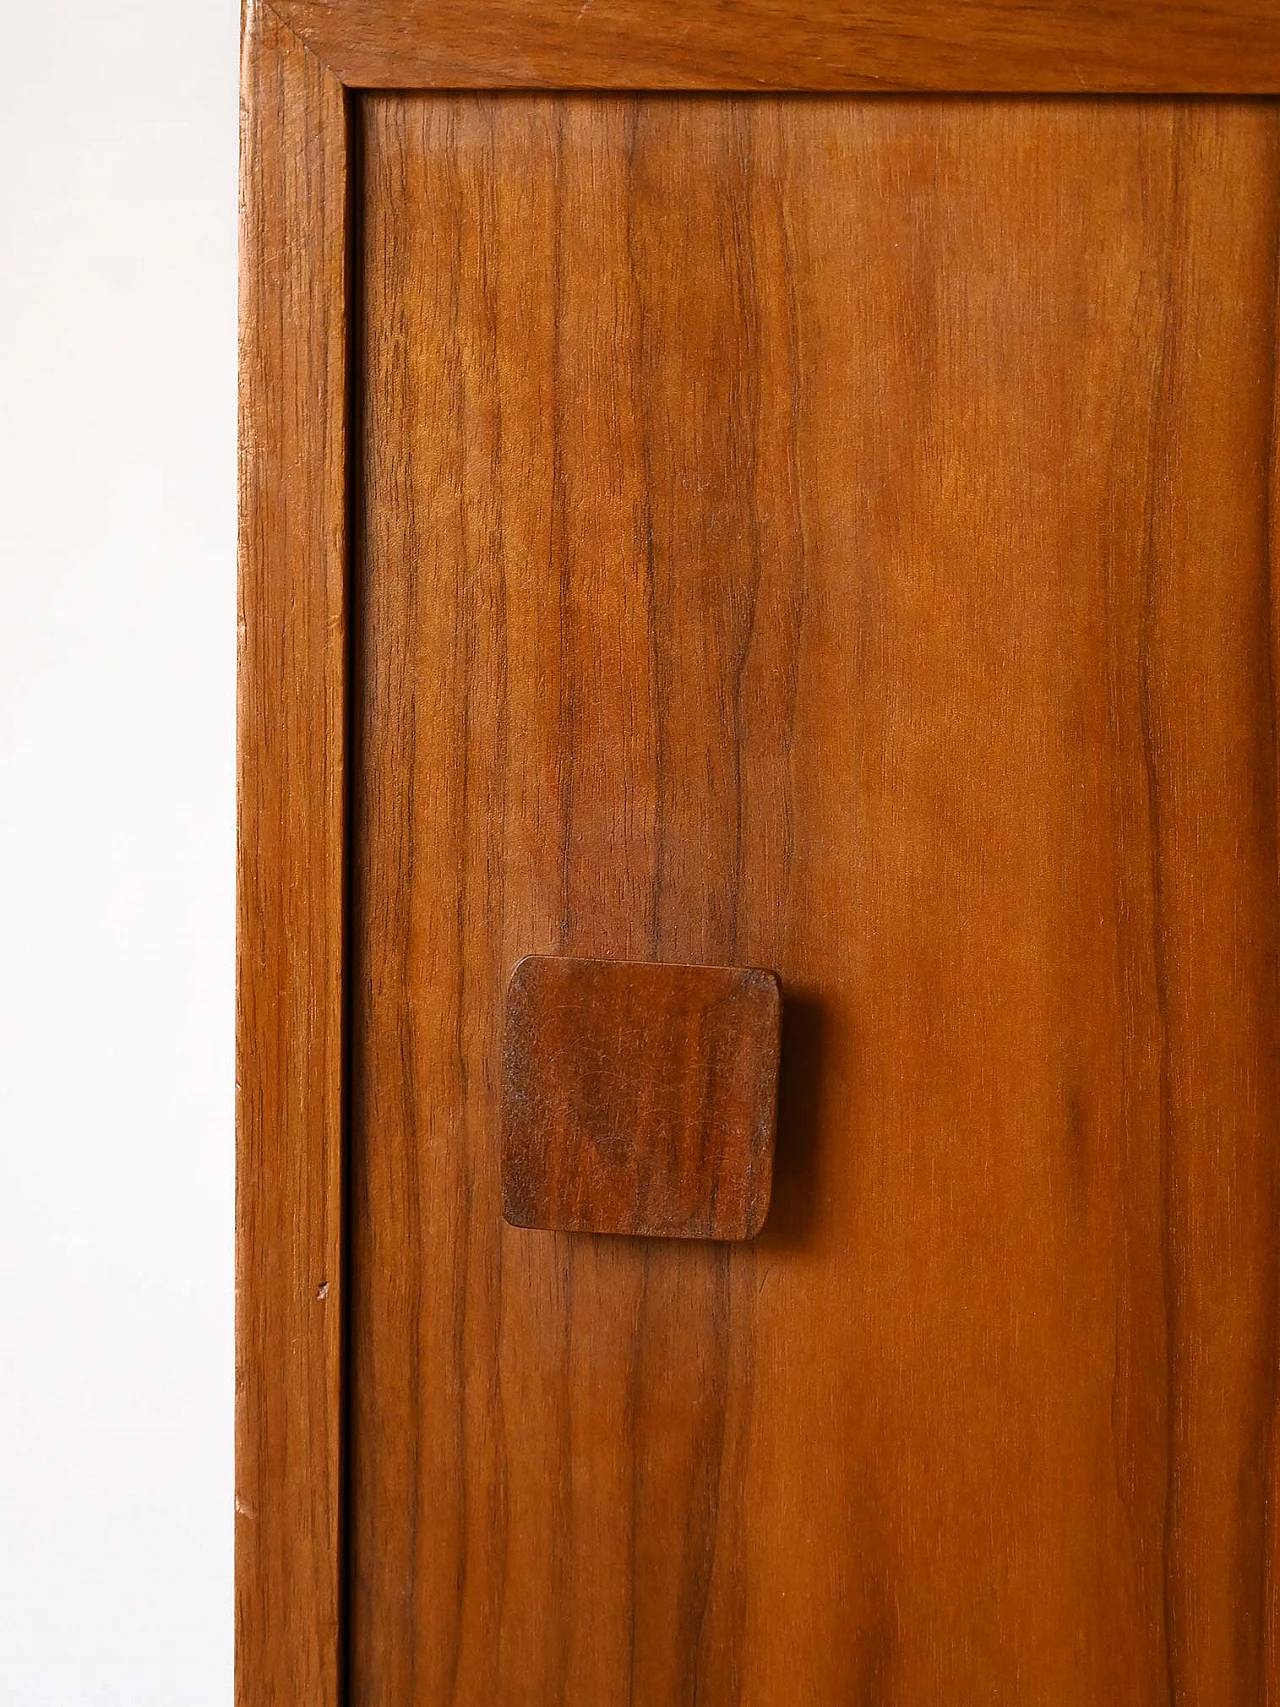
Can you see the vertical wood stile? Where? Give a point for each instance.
(290, 870)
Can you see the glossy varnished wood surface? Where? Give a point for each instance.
(1052, 46)
(639, 1097)
(289, 1019)
(835, 536)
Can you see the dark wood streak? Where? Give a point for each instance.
(1156, 472)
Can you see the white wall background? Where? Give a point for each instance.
(117, 635)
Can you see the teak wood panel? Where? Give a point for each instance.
(1067, 46)
(831, 535)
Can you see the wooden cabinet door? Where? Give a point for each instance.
(818, 530)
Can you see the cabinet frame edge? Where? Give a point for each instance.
(303, 63)
(1072, 47)
(295, 221)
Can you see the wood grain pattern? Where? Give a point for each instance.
(1057, 46)
(290, 876)
(837, 536)
(639, 1098)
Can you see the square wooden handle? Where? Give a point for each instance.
(639, 1098)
